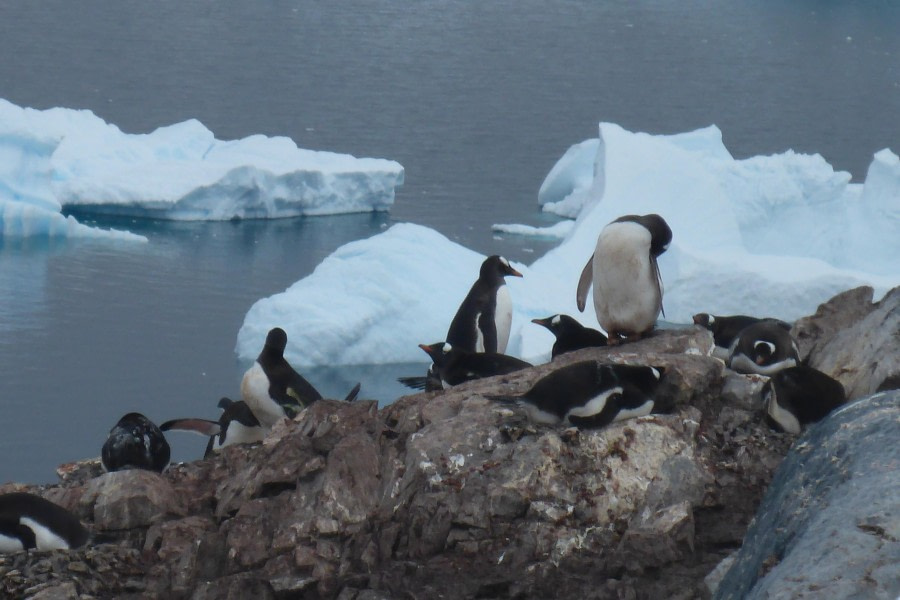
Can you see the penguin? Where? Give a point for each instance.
(484, 317)
(455, 366)
(273, 389)
(725, 330)
(430, 383)
(797, 396)
(135, 442)
(570, 334)
(588, 394)
(236, 425)
(763, 348)
(624, 271)
(30, 522)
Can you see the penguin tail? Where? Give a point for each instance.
(352, 394)
(201, 426)
(416, 383)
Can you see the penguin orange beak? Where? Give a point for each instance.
(542, 322)
(513, 272)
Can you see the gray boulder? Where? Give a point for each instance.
(829, 526)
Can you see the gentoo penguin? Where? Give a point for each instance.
(589, 394)
(763, 348)
(801, 395)
(625, 274)
(482, 322)
(725, 330)
(273, 389)
(454, 365)
(236, 425)
(28, 521)
(570, 334)
(135, 443)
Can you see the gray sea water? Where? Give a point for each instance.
(476, 99)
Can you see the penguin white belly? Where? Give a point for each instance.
(626, 293)
(631, 413)
(44, 539)
(536, 415)
(255, 392)
(502, 318)
(10, 544)
(595, 405)
(238, 433)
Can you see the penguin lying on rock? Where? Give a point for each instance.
(726, 329)
(763, 348)
(570, 334)
(236, 425)
(30, 522)
(455, 366)
(272, 388)
(135, 442)
(589, 394)
(627, 284)
(797, 396)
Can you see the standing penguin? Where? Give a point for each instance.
(236, 425)
(273, 389)
(588, 394)
(28, 521)
(135, 443)
(570, 334)
(764, 348)
(625, 274)
(483, 320)
(801, 395)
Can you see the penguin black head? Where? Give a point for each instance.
(438, 351)
(704, 320)
(276, 340)
(660, 232)
(556, 323)
(497, 267)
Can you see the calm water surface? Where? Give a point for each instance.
(476, 100)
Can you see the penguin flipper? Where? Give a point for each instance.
(659, 284)
(488, 327)
(352, 394)
(201, 426)
(584, 283)
(416, 383)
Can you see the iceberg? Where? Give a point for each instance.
(768, 235)
(71, 160)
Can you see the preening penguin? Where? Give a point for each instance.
(726, 329)
(570, 334)
(588, 394)
(135, 442)
(624, 271)
(236, 425)
(455, 366)
(798, 396)
(483, 320)
(28, 521)
(764, 348)
(272, 388)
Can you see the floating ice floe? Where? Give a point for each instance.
(64, 159)
(768, 236)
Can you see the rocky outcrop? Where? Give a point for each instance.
(442, 494)
(855, 341)
(828, 526)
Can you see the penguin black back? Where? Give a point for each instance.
(455, 366)
(570, 334)
(726, 329)
(798, 396)
(135, 442)
(482, 321)
(286, 386)
(51, 526)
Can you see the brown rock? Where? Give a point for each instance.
(130, 499)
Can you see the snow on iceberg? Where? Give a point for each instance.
(182, 172)
(769, 236)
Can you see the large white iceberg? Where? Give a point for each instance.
(71, 159)
(771, 236)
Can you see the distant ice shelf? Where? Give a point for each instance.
(768, 236)
(63, 159)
